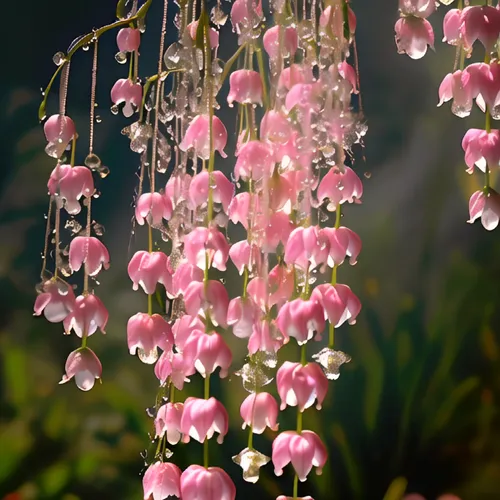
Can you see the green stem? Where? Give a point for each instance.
(230, 62)
(303, 354)
(250, 438)
(205, 443)
(331, 329)
(73, 151)
(262, 71)
(299, 430)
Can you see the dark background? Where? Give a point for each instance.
(419, 400)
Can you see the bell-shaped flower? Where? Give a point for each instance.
(343, 243)
(222, 190)
(201, 418)
(332, 21)
(128, 40)
(280, 41)
(255, 160)
(200, 483)
(304, 450)
(273, 230)
(265, 338)
(307, 247)
(460, 87)
(295, 73)
(68, 184)
(90, 251)
(480, 22)
(338, 302)
(246, 14)
(153, 208)
(486, 207)
(175, 366)
(451, 26)
(417, 8)
(339, 187)
(259, 410)
(192, 29)
(55, 301)
(59, 131)
(242, 207)
(348, 73)
(275, 127)
(162, 480)
(413, 35)
(207, 300)
(184, 327)
(242, 315)
(183, 276)
(88, 314)
(147, 269)
(177, 188)
(84, 365)
(482, 149)
(127, 92)
(281, 282)
(302, 319)
(168, 421)
(206, 247)
(245, 87)
(300, 385)
(197, 137)
(245, 255)
(207, 352)
(148, 332)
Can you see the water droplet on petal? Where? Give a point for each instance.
(148, 357)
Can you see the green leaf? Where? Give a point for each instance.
(203, 24)
(120, 9)
(396, 489)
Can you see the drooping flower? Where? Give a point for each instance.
(338, 302)
(128, 40)
(59, 131)
(288, 45)
(55, 301)
(245, 87)
(148, 332)
(206, 247)
(197, 137)
(482, 149)
(486, 207)
(126, 92)
(161, 481)
(207, 352)
(84, 366)
(201, 418)
(153, 208)
(207, 300)
(199, 483)
(148, 269)
(259, 410)
(90, 251)
(88, 314)
(168, 422)
(413, 35)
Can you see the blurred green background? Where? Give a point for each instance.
(419, 403)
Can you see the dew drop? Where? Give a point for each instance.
(86, 47)
(58, 58)
(148, 357)
(93, 161)
(98, 119)
(114, 109)
(121, 58)
(367, 175)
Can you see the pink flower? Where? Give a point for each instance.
(245, 14)
(175, 366)
(418, 8)
(304, 450)
(192, 28)
(296, 73)
(201, 418)
(242, 315)
(245, 87)
(88, 314)
(301, 319)
(451, 26)
(413, 35)
(300, 385)
(168, 421)
(177, 188)
(59, 131)
(348, 73)
(243, 254)
(272, 231)
(128, 40)
(125, 91)
(148, 333)
(206, 247)
(255, 159)
(197, 137)
(338, 302)
(242, 208)
(275, 127)
(208, 300)
(289, 42)
(162, 480)
(338, 187)
(89, 251)
(480, 23)
(183, 276)
(148, 269)
(459, 87)
(265, 338)
(56, 301)
(259, 410)
(198, 483)
(69, 184)
(153, 208)
(307, 247)
(207, 352)
(486, 206)
(333, 19)
(222, 190)
(482, 149)
(281, 284)
(184, 327)
(343, 243)
(283, 497)
(84, 365)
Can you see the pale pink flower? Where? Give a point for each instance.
(222, 190)
(197, 137)
(243, 254)
(59, 131)
(255, 159)
(241, 208)
(482, 149)
(273, 230)
(245, 87)
(128, 92)
(307, 247)
(88, 314)
(461, 88)
(148, 332)
(485, 206)
(84, 365)
(294, 74)
(208, 300)
(480, 23)
(213, 35)
(161, 480)
(153, 208)
(69, 184)
(168, 421)
(148, 269)
(198, 483)
(201, 418)
(413, 35)
(281, 284)
(289, 41)
(245, 14)
(306, 96)
(183, 276)
(128, 40)
(338, 187)
(177, 188)
(56, 301)
(258, 292)
(300, 385)
(348, 73)
(175, 366)
(418, 8)
(451, 26)
(184, 327)
(304, 450)
(275, 127)
(242, 315)
(265, 338)
(343, 243)
(338, 302)
(207, 352)
(89, 251)
(333, 19)
(206, 247)
(259, 410)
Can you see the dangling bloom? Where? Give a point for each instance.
(89, 251)
(84, 365)
(451, 26)
(245, 14)
(88, 314)
(192, 29)
(177, 188)
(286, 48)
(413, 35)
(168, 421)
(281, 284)
(206, 247)
(197, 137)
(183, 276)
(153, 208)
(244, 255)
(161, 481)
(242, 315)
(255, 159)
(128, 40)
(128, 92)
(482, 149)
(275, 128)
(148, 332)
(343, 243)
(59, 131)
(486, 207)
(222, 190)
(339, 187)
(265, 338)
(208, 300)
(184, 327)
(242, 206)
(259, 410)
(56, 301)
(460, 87)
(338, 302)
(199, 483)
(68, 184)
(148, 269)
(175, 366)
(304, 450)
(245, 87)
(480, 22)
(417, 8)
(307, 247)
(201, 418)
(207, 352)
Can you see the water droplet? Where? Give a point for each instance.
(367, 175)
(103, 172)
(250, 461)
(86, 47)
(121, 58)
(93, 161)
(114, 109)
(59, 58)
(149, 357)
(98, 229)
(98, 119)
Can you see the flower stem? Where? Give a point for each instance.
(205, 443)
(331, 333)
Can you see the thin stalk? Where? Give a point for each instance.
(331, 330)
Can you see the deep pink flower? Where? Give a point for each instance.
(88, 314)
(84, 365)
(162, 480)
(482, 149)
(243, 254)
(480, 22)
(59, 131)
(128, 40)
(413, 35)
(148, 269)
(201, 418)
(207, 352)
(210, 299)
(451, 26)
(198, 483)
(184, 327)
(486, 206)
(89, 251)
(56, 301)
(255, 159)
(183, 276)
(338, 187)
(307, 247)
(417, 8)
(69, 184)
(168, 421)
(245, 87)
(197, 137)
(338, 302)
(304, 450)
(175, 366)
(299, 385)
(222, 190)
(128, 92)
(343, 243)
(259, 410)
(153, 208)
(245, 14)
(288, 46)
(206, 247)
(148, 332)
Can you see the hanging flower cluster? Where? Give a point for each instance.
(275, 221)
(468, 28)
